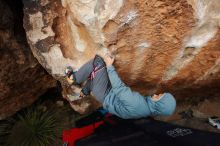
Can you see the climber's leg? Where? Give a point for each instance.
(100, 83)
(84, 72)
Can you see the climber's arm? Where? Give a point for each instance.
(115, 80)
(113, 76)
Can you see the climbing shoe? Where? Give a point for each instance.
(70, 75)
(68, 71)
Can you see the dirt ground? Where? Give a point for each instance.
(196, 116)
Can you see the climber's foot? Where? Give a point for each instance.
(70, 77)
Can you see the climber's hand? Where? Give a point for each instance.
(109, 59)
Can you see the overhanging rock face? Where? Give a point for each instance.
(166, 45)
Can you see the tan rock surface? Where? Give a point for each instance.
(162, 45)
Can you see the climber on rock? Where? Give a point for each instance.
(117, 98)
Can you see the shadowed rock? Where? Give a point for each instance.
(22, 79)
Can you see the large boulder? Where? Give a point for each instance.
(22, 79)
(160, 45)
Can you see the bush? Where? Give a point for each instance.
(33, 127)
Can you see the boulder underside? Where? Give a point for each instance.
(160, 45)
